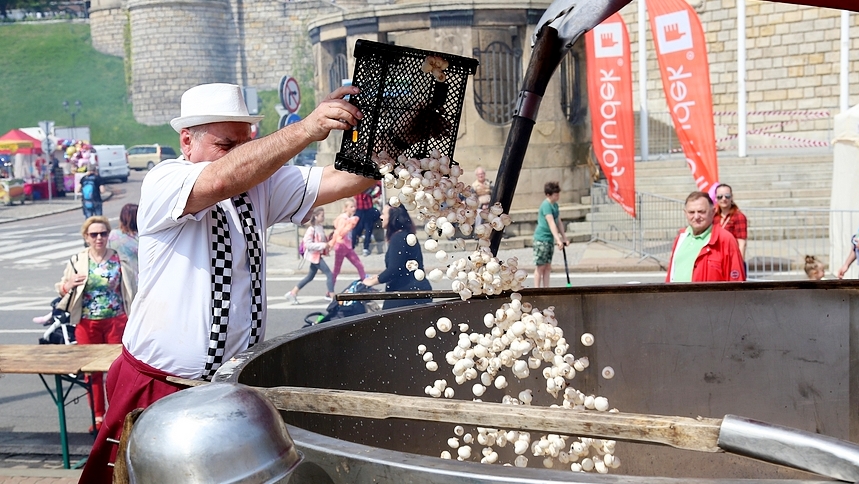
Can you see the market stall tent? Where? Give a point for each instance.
(17, 141)
(24, 147)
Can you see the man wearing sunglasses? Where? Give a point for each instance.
(704, 251)
(730, 218)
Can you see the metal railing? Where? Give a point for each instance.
(766, 130)
(779, 238)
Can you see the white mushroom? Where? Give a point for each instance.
(601, 404)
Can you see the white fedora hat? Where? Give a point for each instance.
(213, 103)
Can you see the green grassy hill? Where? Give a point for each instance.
(43, 64)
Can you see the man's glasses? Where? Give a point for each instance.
(726, 197)
(96, 235)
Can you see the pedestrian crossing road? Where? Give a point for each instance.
(39, 247)
(47, 248)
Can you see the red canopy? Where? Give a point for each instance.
(18, 141)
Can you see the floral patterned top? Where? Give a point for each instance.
(102, 296)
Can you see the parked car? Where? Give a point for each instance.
(112, 162)
(142, 157)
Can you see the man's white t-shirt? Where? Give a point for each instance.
(170, 320)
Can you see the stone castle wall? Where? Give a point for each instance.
(176, 45)
(792, 54)
(792, 64)
(275, 41)
(107, 26)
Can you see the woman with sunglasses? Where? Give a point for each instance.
(97, 289)
(729, 216)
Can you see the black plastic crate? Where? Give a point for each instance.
(406, 111)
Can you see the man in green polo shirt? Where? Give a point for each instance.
(704, 252)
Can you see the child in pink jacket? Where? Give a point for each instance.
(341, 241)
(315, 246)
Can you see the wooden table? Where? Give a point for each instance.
(66, 363)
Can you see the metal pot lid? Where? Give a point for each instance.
(215, 433)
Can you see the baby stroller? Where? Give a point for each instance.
(59, 331)
(344, 309)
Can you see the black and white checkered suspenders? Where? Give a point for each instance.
(222, 262)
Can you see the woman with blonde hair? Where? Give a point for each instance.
(100, 287)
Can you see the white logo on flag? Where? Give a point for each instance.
(673, 32)
(607, 38)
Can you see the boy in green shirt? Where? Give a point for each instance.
(549, 233)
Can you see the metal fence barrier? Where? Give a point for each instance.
(766, 130)
(779, 239)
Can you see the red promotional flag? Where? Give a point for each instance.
(682, 53)
(610, 100)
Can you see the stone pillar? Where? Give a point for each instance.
(175, 46)
(107, 21)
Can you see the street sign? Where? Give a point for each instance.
(290, 94)
(47, 127)
(288, 119)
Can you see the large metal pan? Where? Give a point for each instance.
(774, 352)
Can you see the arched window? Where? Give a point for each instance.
(571, 90)
(338, 71)
(497, 82)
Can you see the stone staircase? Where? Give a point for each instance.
(784, 195)
(786, 180)
(778, 180)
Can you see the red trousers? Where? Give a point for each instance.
(131, 384)
(99, 331)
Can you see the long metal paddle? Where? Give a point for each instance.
(559, 28)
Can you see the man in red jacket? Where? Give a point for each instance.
(704, 252)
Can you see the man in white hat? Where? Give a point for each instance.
(202, 221)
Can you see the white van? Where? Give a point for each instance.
(112, 161)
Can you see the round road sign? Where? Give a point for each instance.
(290, 94)
(288, 119)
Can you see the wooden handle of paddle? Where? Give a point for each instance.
(681, 432)
(699, 434)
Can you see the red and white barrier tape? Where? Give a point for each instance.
(800, 142)
(803, 114)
